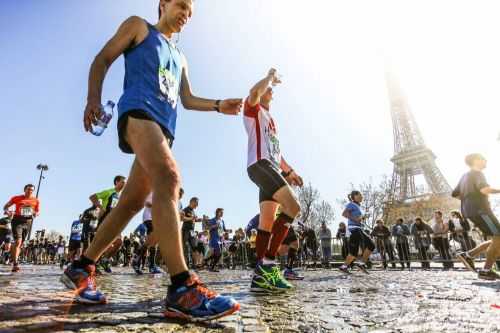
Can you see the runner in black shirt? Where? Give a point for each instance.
(189, 218)
(5, 237)
(473, 191)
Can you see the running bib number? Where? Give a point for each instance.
(168, 86)
(114, 202)
(27, 211)
(77, 229)
(93, 224)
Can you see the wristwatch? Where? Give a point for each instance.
(217, 105)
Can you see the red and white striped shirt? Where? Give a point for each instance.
(262, 133)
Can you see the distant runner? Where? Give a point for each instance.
(27, 207)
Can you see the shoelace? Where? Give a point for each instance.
(276, 273)
(202, 289)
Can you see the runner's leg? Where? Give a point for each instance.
(131, 202)
(153, 153)
(493, 252)
(481, 248)
(290, 209)
(267, 216)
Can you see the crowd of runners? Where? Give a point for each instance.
(156, 77)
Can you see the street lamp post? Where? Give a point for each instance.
(42, 168)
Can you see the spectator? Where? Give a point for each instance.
(342, 236)
(440, 239)
(382, 236)
(421, 232)
(459, 229)
(401, 232)
(311, 244)
(325, 238)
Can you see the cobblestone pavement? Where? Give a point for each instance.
(326, 301)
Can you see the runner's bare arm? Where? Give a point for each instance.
(489, 190)
(230, 106)
(131, 32)
(292, 177)
(347, 214)
(37, 209)
(284, 165)
(260, 87)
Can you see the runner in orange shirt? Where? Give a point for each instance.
(27, 208)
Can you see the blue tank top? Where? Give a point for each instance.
(152, 82)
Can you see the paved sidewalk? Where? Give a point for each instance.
(326, 301)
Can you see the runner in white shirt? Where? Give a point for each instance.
(272, 175)
(151, 242)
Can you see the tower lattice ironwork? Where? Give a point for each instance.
(411, 155)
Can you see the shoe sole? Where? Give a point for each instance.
(466, 264)
(487, 278)
(82, 300)
(294, 278)
(176, 314)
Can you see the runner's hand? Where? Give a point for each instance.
(91, 114)
(272, 72)
(273, 75)
(294, 179)
(231, 106)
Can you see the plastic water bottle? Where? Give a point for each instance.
(104, 119)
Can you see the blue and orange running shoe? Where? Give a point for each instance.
(196, 303)
(84, 284)
(290, 274)
(155, 270)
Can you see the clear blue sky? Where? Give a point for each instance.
(332, 110)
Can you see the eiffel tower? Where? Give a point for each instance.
(412, 158)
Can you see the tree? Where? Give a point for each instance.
(322, 212)
(308, 197)
(53, 235)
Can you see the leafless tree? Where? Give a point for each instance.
(322, 212)
(308, 197)
(53, 235)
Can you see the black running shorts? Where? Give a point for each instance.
(290, 237)
(359, 239)
(487, 223)
(5, 236)
(122, 127)
(20, 227)
(74, 245)
(149, 226)
(267, 177)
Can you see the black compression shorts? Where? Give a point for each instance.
(149, 226)
(267, 177)
(122, 127)
(20, 227)
(487, 223)
(359, 239)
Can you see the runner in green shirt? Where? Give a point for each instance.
(106, 200)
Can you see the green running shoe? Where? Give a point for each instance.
(269, 279)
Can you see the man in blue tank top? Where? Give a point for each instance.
(156, 76)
